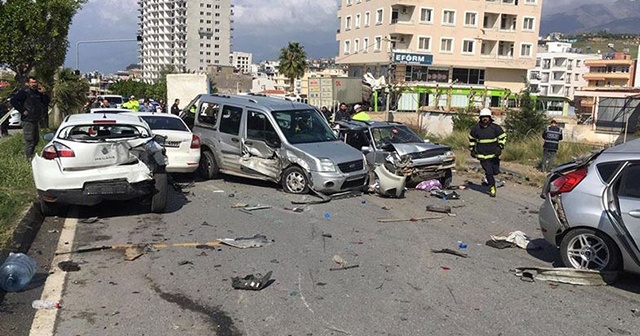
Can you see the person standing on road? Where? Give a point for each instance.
(32, 103)
(359, 114)
(175, 108)
(132, 104)
(341, 113)
(486, 142)
(326, 113)
(162, 107)
(552, 136)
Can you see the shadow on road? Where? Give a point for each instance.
(546, 252)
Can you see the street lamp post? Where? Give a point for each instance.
(138, 39)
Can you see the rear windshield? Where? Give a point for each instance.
(102, 132)
(113, 100)
(164, 123)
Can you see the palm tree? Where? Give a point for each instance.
(69, 94)
(293, 62)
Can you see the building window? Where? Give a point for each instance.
(356, 46)
(367, 19)
(426, 15)
(527, 24)
(538, 62)
(378, 43)
(446, 45)
(365, 45)
(525, 50)
(347, 23)
(349, 2)
(379, 14)
(530, 2)
(357, 21)
(468, 47)
(448, 17)
(471, 19)
(424, 43)
(347, 46)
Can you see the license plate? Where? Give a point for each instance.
(108, 188)
(172, 143)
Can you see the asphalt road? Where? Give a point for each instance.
(398, 288)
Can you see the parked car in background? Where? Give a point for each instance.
(15, 119)
(182, 146)
(400, 149)
(115, 101)
(91, 158)
(275, 140)
(591, 210)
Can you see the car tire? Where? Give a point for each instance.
(295, 181)
(208, 167)
(159, 198)
(590, 249)
(50, 209)
(446, 180)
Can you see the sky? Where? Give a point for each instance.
(261, 27)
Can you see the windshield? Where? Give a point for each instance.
(303, 126)
(113, 99)
(394, 134)
(164, 123)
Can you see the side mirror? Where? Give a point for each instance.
(366, 149)
(48, 136)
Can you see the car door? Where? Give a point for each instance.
(259, 146)
(378, 153)
(229, 137)
(628, 195)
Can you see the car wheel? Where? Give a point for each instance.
(208, 167)
(159, 198)
(50, 209)
(589, 249)
(295, 181)
(446, 180)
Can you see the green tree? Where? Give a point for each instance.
(293, 62)
(526, 120)
(465, 119)
(128, 88)
(69, 94)
(33, 35)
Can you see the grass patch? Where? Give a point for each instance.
(17, 189)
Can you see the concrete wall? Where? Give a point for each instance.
(185, 87)
(512, 79)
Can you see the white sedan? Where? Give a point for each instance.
(93, 157)
(183, 147)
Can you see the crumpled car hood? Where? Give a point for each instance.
(337, 151)
(409, 148)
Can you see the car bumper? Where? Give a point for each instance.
(182, 163)
(550, 224)
(333, 182)
(96, 192)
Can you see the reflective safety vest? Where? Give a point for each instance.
(361, 116)
(552, 136)
(487, 142)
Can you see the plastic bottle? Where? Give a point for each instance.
(16, 272)
(45, 304)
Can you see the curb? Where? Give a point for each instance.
(24, 233)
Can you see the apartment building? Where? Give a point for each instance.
(183, 36)
(241, 61)
(558, 74)
(614, 70)
(475, 48)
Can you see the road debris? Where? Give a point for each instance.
(239, 205)
(132, 253)
(445, 194)
(439, 208)
(343, 264)
(185, 262)
(566, 275)
(520, 239)
(412, 219)
(327, 235)
(69, 266)
(256, 207)
(450, 251)
(89, 220)
(251, 281)
(500, 244)
(429, 185)
(296, 209)
(343, 268)
(257, 240)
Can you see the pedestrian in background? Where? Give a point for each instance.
(359, 114)
(162, 107)
(341, 113)
(486, 142)
(552, 136)
(32, 103)
(105, 103)
(175, 108)
(326, 113)
(146, 106)
(132, 104)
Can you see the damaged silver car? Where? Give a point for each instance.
(400, 150)
(275, 140)
(95, 157)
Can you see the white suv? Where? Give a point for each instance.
(96, 157)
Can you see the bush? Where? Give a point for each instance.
(464, 120)
(525, 121)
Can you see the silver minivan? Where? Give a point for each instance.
(273, 139)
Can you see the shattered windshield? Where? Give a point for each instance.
(394, 134)
(303, 126)
(102, 132)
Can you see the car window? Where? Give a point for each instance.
(230, 119)
(209, 114)
(394, 134)
(260, 128)
(607, 170)
(165, 123)
(303, 126)
(629, 186)
(356, 139)
(112, 100)
(101, 132)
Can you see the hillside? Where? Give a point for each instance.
(621, 16)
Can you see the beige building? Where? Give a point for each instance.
(464, 45)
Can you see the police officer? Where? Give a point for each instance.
(360, 114)
(486, 141)
(552, 136)
(33, 104)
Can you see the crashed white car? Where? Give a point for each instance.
(182, 146)
(93, 157)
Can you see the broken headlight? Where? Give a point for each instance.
(326, 165)
(449, 155)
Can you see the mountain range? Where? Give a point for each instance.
(621, 16)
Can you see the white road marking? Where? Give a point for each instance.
(45, 319)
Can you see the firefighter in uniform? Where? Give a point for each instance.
(552, 136)
(486, 142)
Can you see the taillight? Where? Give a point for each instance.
(195, 142)
(56, 150)
(567, 182)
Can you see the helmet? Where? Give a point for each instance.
(485, 112)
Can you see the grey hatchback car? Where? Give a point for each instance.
(591, 210)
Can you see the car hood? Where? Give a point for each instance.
(419, 147)
(337, 151)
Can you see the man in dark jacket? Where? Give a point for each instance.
(33, 104)
(552, 136)
(341, 113)
(175, 108)
(486, 141)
